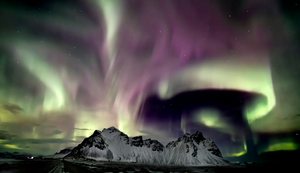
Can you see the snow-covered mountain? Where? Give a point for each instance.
(113, 145)
(194, 149)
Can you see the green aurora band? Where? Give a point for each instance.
(67, 70)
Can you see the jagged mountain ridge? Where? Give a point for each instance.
(113, 145)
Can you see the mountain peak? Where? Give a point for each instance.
(96, 133)
(137, 141)
(111, 129)
(197, 137)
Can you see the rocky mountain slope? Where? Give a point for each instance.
(113, 145)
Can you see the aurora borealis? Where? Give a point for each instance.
(70, 67)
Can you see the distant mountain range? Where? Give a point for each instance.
(113, 145)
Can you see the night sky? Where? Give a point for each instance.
(229, 68)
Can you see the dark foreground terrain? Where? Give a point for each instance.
(60, 166)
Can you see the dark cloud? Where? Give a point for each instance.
(55, 132)
(13, 108)
(277, 123)
(41, 141)
(5, 135)
(82, 129)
